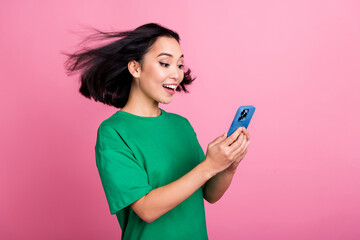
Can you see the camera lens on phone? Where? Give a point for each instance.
(243, 114)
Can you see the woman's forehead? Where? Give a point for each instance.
(165, 46)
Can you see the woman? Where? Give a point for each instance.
(153, 170)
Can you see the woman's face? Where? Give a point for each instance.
(163, 64)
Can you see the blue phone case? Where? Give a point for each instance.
(242, 118)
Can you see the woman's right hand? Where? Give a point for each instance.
(222, 152)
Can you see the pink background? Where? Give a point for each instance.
(296, 61)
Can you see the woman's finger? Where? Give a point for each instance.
(240, 142)
(230, 139)
(239, 149)
(243, 144)
(237, 142)
(242, 153)
(246, 133)
(245, 149)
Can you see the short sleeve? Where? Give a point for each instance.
(200, 151)
(123, 178)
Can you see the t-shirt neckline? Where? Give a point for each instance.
(127, 114)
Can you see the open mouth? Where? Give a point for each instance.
(172, 87)
(169, 88)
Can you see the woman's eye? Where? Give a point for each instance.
(164, 64)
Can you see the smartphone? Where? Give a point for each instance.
(242, 118)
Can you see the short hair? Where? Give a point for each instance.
(104, 70)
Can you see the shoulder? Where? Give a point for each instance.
(112, 125)
(106, 127)
(111, 131)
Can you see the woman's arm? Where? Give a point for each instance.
(215, 188)
(161, 200)
(221, 154)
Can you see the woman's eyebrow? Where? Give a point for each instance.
(168, 54)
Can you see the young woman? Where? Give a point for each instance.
(154, 172)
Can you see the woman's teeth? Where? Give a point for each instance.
(172, 87)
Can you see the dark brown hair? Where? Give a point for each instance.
(104, 70)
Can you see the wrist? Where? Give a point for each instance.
(208, 169)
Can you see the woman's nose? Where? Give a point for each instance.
(176, 73)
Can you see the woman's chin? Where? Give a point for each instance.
(166, 101)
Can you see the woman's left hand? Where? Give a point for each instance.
(243, 149)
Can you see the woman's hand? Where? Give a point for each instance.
(226, 152)
(244, 137)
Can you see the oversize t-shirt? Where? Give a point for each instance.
(135, 155)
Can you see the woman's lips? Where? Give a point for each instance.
(170, 91)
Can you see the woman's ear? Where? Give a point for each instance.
(134, 68)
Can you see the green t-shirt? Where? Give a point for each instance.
(135, 155)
